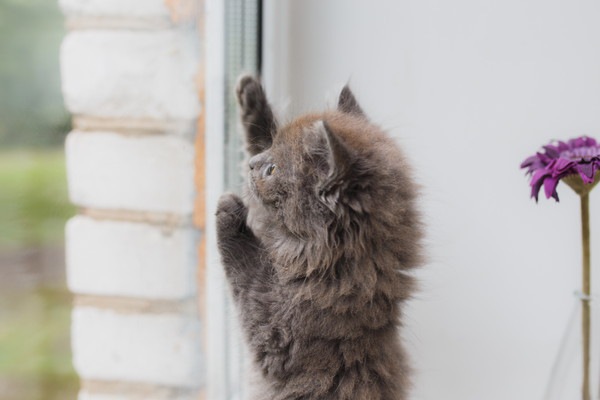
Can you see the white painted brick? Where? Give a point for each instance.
(112, 171)
(150, 348)
(115, 8)
(130, 259)
(133, 74)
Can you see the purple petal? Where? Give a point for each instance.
(562, 146)
(544, 158)
(561, 165)
(536, 182)
(529, 161)
(552, 151)
(590, 142)
(577, 142)
(586, 171)
(550, 187)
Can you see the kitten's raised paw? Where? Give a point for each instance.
(231, 213)
(249, 92)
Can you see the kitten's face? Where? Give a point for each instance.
(285, 177)
(314, 172)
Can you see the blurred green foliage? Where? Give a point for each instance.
(35, 361)
(31, 106)
(35, 357)
(33, 198)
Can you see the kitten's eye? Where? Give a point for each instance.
(270, 170)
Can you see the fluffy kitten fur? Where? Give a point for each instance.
(319, 258)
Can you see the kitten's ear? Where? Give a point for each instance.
(339, 158)
(347, 103)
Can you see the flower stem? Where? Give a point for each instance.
(586, 326)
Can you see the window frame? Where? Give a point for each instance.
(233, 32)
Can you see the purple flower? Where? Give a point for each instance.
(578, 156)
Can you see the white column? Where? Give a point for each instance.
(129, 70)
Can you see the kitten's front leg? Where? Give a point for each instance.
(257, 116)
(241, 252)
(250, 275)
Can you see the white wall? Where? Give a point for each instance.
(469, 88)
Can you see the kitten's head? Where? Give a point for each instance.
(329, 171)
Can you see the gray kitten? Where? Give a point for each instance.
(319, 259)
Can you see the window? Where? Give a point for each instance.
(233, 34)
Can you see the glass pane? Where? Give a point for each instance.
(242, 56)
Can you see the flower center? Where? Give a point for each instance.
(581, 153)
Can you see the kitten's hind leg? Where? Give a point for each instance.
(257, 116)
(241, 252)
